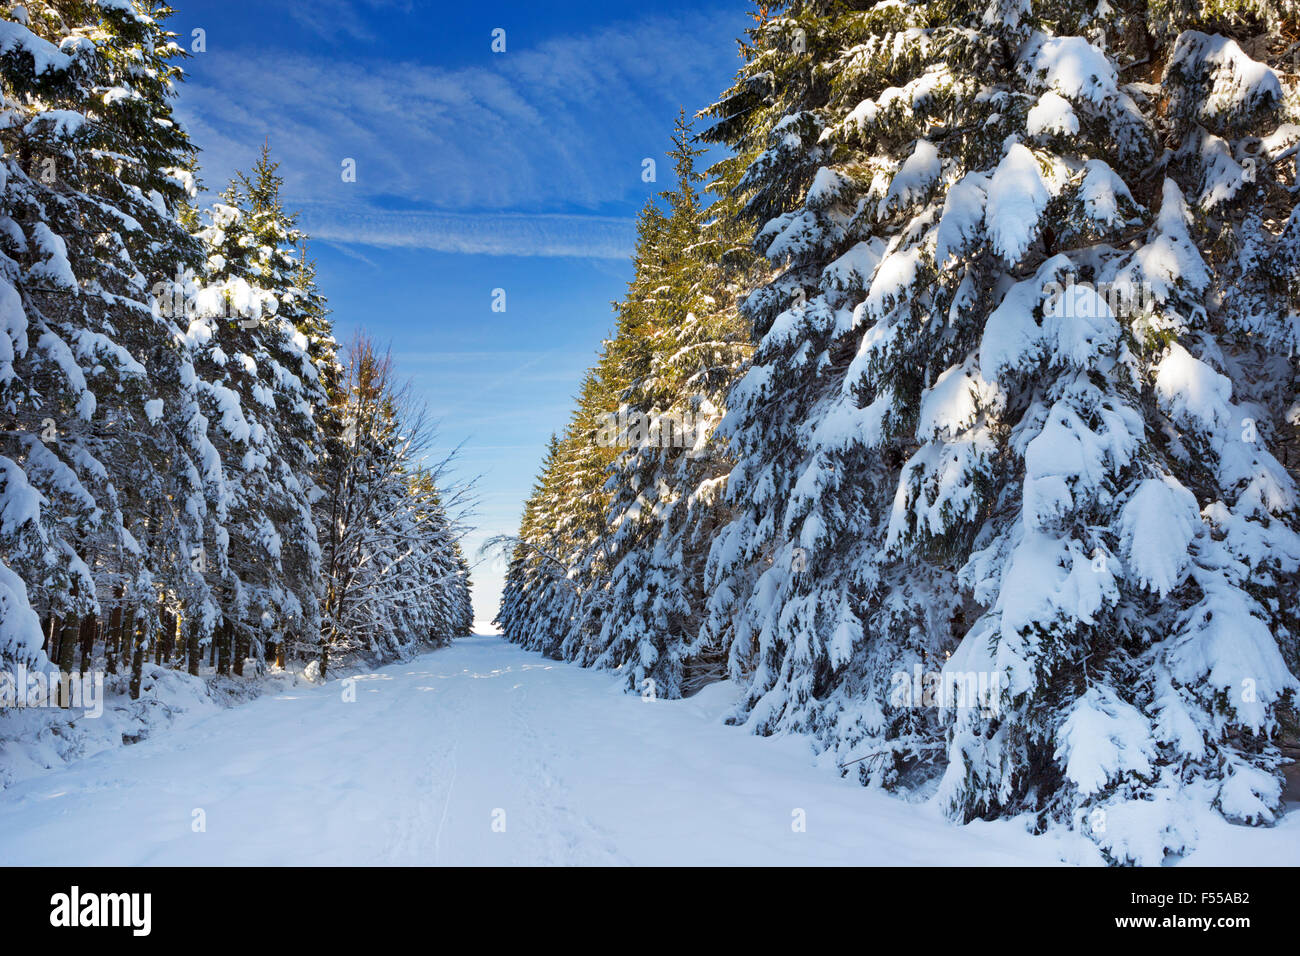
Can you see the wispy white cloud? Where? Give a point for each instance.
(535, 152)
(559, 126)
(494, 233)
(343, 20)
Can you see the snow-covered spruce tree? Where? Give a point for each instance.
(163, 416)
(94, 173)
(531, 568)
(554, 595)
(395, 577)
(434, 603)
(679, 344)
(799, 579)
(608, 566)
(1012, 401)
(556, 590)
(260, 386)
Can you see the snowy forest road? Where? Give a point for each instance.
(482, 753)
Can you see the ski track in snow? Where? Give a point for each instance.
(412, 772)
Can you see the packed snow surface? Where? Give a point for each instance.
(435, 751)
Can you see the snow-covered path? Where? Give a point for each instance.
(433, 752)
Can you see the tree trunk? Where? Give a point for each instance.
(241, 651)
(223, 646)
(135, 645)
(56, 634)
(69, 631)
(166, 642)
(178, 642)
(89, 631)
(192, 650)
(113, 639)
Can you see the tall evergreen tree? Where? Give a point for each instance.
(554, 599)
(1007, 414)
(608, 569)
(265, 381)
(95, 173)
(169, 386)
(680, 343)
(395, 578)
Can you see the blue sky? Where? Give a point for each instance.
(475, 171)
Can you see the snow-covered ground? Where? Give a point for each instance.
(482, 753)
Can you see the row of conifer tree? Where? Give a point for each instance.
(979, 372)
(192, 473)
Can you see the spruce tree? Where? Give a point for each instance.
(260, 386)
(395, 578)
(1007, 411)
(608, 569)
(679, 344)
(95, 173)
